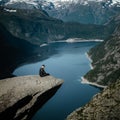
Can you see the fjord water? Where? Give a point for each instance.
(69, 62)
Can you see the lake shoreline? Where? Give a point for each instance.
(9, 73)
(62, 60)
(91, 66)
(74, 40)
(85, 81)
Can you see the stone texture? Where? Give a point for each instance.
(21, 97)
(103, 106)
(106, 59)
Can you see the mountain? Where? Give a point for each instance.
(103, 106)
(106, 59)
(37, 27)
(21, 4)
(83, 11)
(11, 50)
(30, 26)
(22, 29)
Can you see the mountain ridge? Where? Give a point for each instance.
(37, 27)
(98, 12)
(91, 12)
(105, 59)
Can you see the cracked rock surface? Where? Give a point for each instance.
(21, 96)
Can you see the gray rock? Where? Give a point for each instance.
(106, 59)
(103, 106)
(21, 97)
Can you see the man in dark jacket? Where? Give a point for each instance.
(42, 72)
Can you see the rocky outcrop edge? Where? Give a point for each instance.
(21, 97)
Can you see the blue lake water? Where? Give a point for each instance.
(68, 62)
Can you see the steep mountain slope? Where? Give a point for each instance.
(83, 11)
(26, 24)
(11, 50)
(103, 106)
(37, 27)
(106, 59)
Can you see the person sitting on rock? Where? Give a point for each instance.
(42, 72)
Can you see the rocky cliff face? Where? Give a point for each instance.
(106, 71)
(83, 11)
(21, 97)
(12, 49)
(37, 27)
(103, 106)
(106, 59)
(34, 26)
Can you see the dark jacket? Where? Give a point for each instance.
(42, 72)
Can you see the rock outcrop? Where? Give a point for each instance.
(105, 72)
(106, 59)
(21, 97)
(103, 106)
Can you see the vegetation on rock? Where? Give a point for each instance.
(106, 60)
(105, 105)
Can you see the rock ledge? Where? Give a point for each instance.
(21, 97)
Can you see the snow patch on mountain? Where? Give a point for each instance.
(9, 10)
(116, 1)
(60, 3)
(32, 2)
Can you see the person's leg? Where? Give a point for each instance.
(47, 74)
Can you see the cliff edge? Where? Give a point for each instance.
(103, 106)
(21, 97)
(106, 59)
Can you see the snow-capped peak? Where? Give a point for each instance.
(34, 1)
(116, 0)
(59, 3)
(26, 1)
